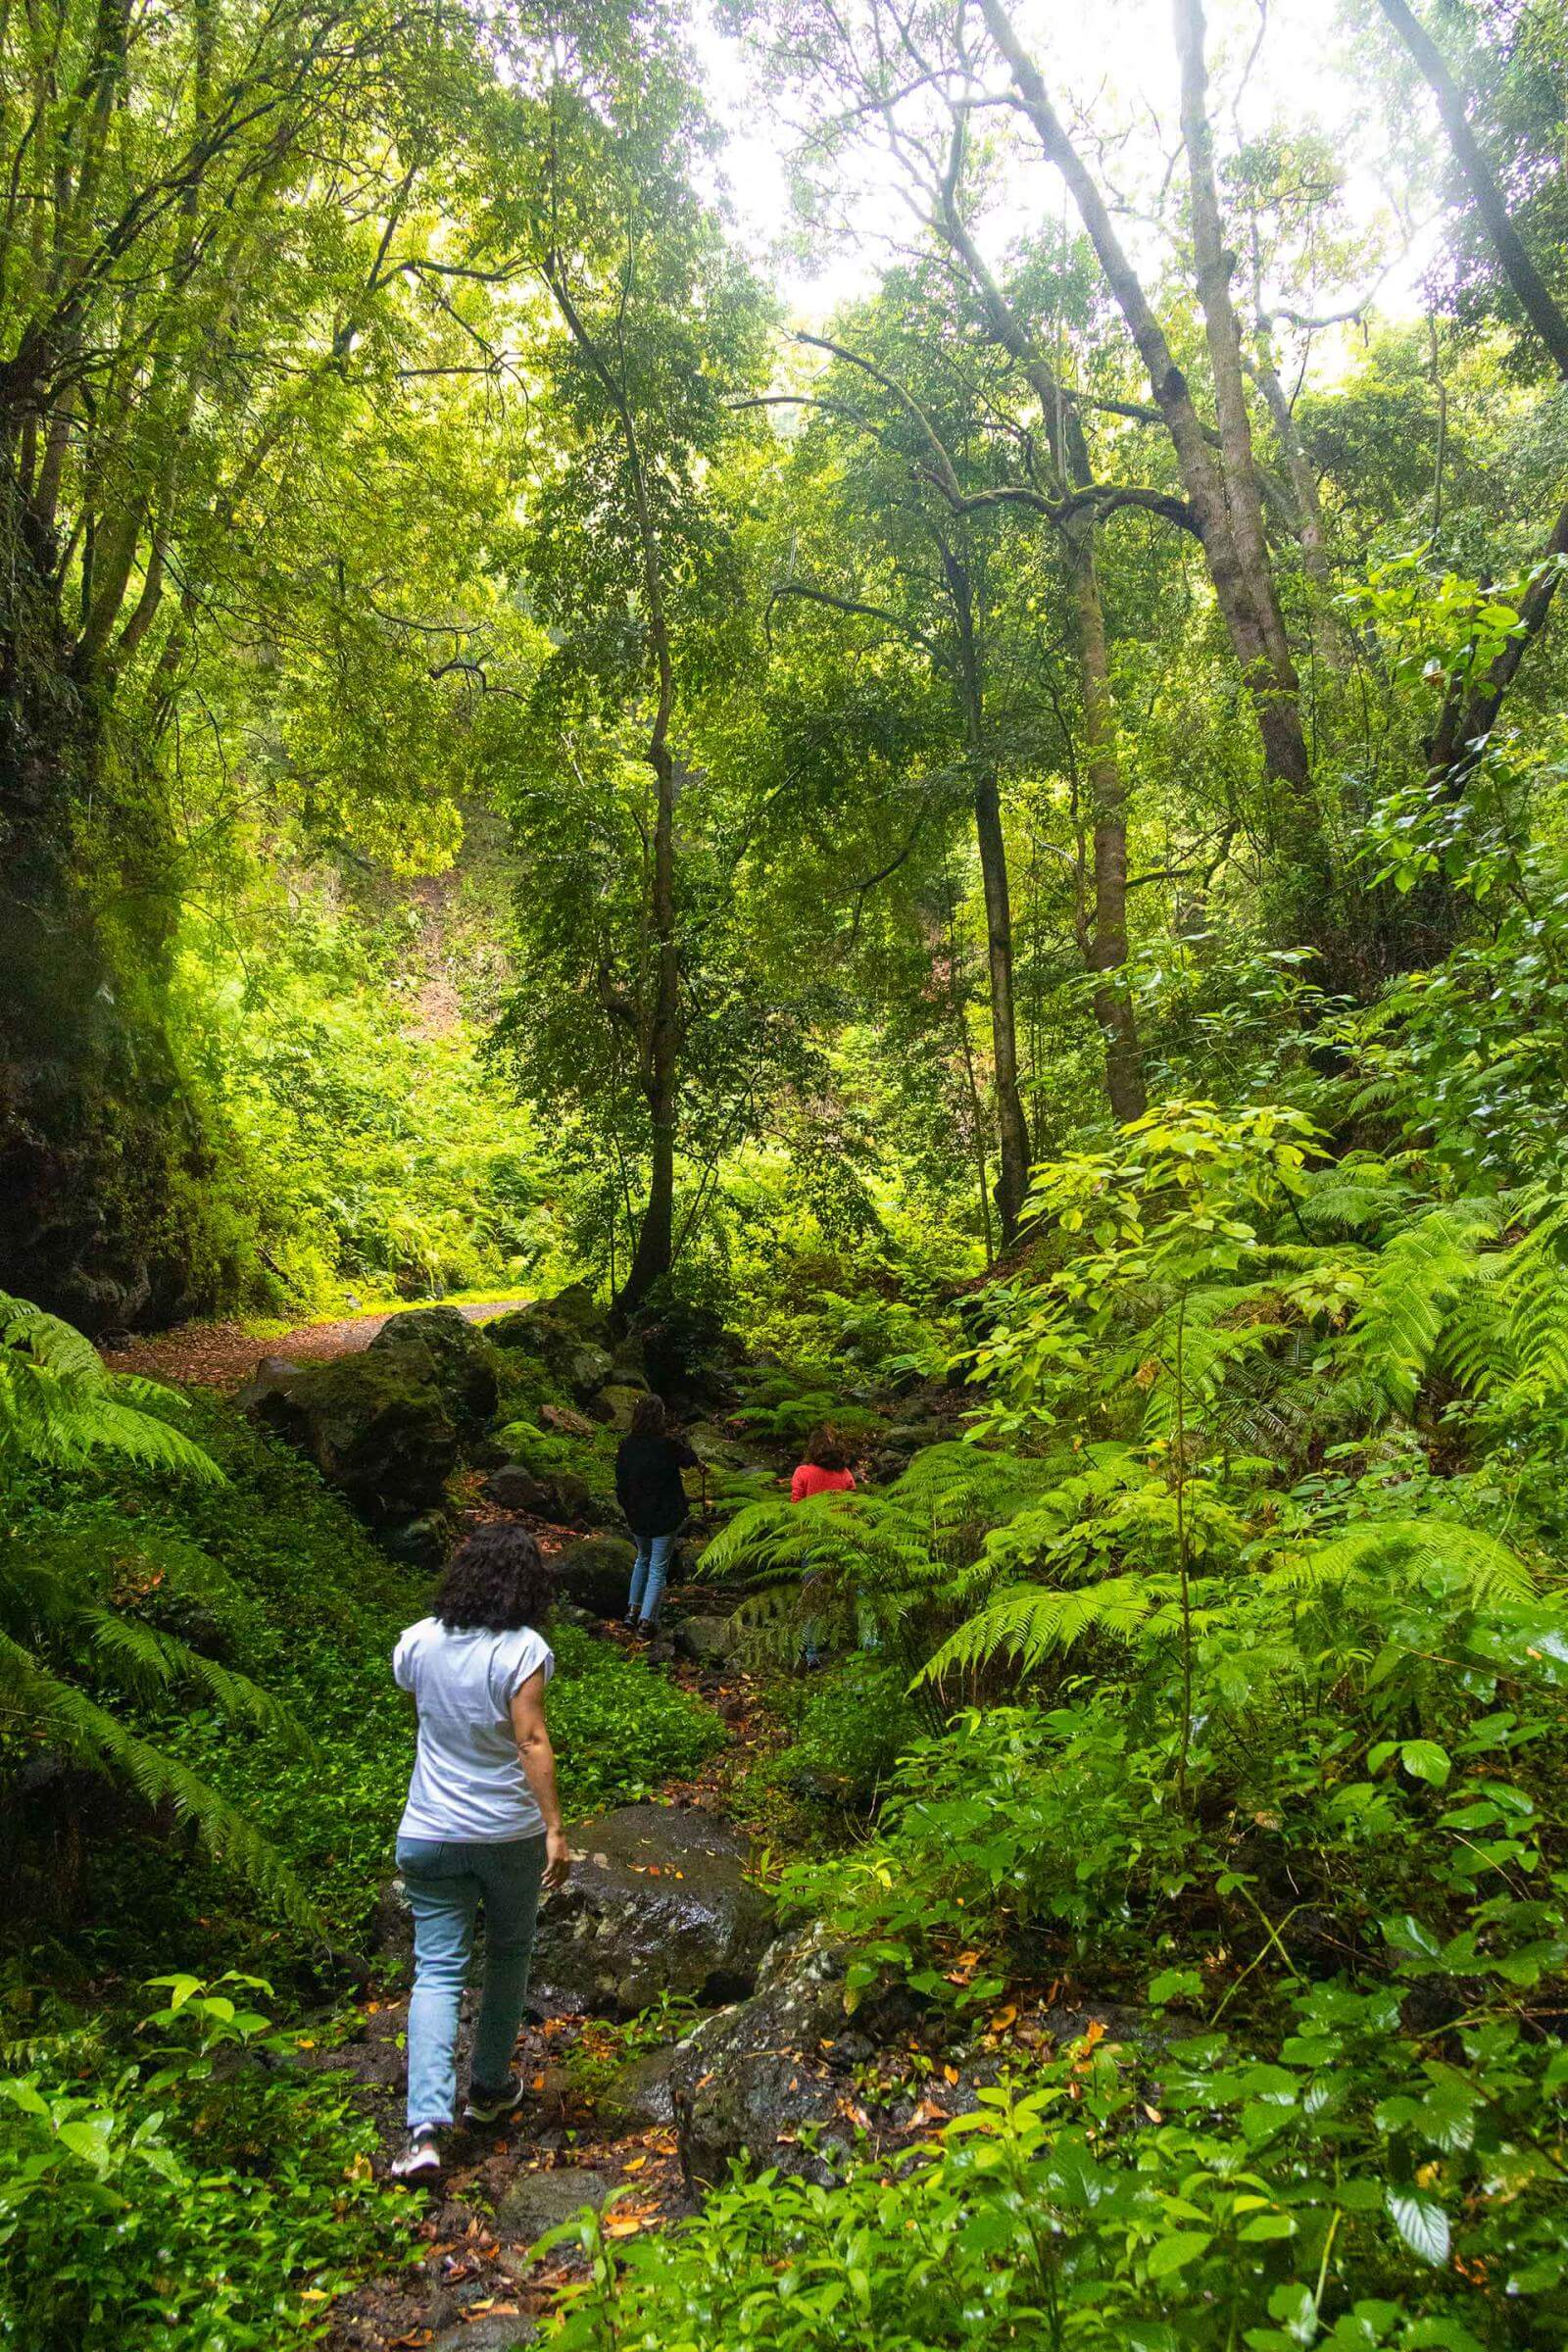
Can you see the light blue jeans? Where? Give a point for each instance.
(446, 1883)
(649, 1572)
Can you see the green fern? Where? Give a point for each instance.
(1414, 1286)
(1376, 1553)
(60, 1406)
(93, 1736)
(62, 1410)
(1027, 1622)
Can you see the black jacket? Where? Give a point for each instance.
(648, 1482)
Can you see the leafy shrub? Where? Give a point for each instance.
(853, 1722)
(195, 2199)
(1348, 2195)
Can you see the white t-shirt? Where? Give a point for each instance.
(468, 1781)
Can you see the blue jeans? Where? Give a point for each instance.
(649, 1571)
(446, 1881)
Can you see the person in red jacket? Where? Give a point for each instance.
(824, 1470)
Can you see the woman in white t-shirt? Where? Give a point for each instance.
(482, 1825)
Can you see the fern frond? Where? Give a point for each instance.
(156, 1658)
(1384, 1552)
(93, 1735)
(58, 1405)
(1410, 1292)
(1026, 1623)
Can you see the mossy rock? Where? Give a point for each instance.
(463, 1361)
(376, 1426)
(596, 1574)
(615, 1406)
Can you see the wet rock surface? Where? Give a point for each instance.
(538, 2201)
(753, 2078)
(659, 1902)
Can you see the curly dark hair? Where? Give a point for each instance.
(825, 1450)
(499, 1578)
(648, 1418)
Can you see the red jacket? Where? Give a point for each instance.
(810, 1479)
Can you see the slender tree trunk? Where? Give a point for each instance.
(1464, 724)
(1107, 943)
(1012, 1128)
(1249, 625)
(661, 1035)
(1311, 532)
(655, 1237)
(1215, 267)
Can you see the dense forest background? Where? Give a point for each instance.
(875, 689)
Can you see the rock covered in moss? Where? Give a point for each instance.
(422, 1543)
(659, 1902)
(596, 1574)
(463, 1359)
(540, 2200)
(617, 1403)
(707, 1641)
(376, 1426)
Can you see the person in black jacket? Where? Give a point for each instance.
(648, 1486)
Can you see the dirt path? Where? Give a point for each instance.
(223, 1356)
(474, 2289)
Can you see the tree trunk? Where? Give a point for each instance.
(1215, 264)
(1463, 724)
(1107, 943)
(1012, 1128)
(1249, 626)
(104, 1167)
(656, 1236)
(662, 1033)
(1106, 948)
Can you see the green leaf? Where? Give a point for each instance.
(1425, 1760)
(1422, 2224)
(1173, 2253)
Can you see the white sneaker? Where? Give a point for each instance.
(419, 2159)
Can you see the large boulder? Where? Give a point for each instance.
(585, 1368)
(750, 2081)
(596, 1574)
(566, 1333)
(789, 2075)
(515, 1487)
(559, 1496)
(660, 1902)
(707, 1641)
(376, 1426)
(617, 1403)
(464, 1362)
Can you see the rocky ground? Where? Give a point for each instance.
(660, 1902)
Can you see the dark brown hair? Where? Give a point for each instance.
(499, 1578)
(825, 1448)
(648, 1418)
